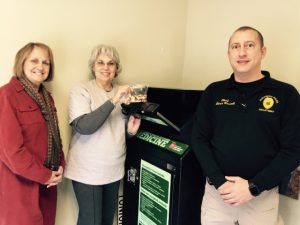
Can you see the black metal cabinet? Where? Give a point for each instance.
(163, 184)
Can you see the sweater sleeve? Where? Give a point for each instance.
(201, 137)
(91, 122)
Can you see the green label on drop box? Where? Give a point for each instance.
(165, 143)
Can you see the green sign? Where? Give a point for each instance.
(165, 143)
(154, 195)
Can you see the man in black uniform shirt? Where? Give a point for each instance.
(246, 137)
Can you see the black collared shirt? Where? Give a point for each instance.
(251, 130)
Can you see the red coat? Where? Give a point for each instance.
(23, 148)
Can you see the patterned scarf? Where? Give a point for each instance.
(52, 160)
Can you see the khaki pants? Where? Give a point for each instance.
(262, 210)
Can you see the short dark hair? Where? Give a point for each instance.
(244, 28)
(23, 54)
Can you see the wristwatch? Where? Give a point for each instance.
(254, 190)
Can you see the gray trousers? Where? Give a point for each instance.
(97, 203)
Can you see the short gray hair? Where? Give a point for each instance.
(107, 50)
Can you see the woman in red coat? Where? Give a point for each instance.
(31, 156)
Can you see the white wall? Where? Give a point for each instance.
(162, 43)
(209, 26)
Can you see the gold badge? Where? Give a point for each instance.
(268, 102)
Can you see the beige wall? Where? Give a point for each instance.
(162, 43)
(210, 24)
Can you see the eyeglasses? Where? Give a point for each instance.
(109, 64)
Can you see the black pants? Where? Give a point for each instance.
(97, 203)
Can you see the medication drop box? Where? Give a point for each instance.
(164, 184)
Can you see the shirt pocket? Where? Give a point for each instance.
(30, 114)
